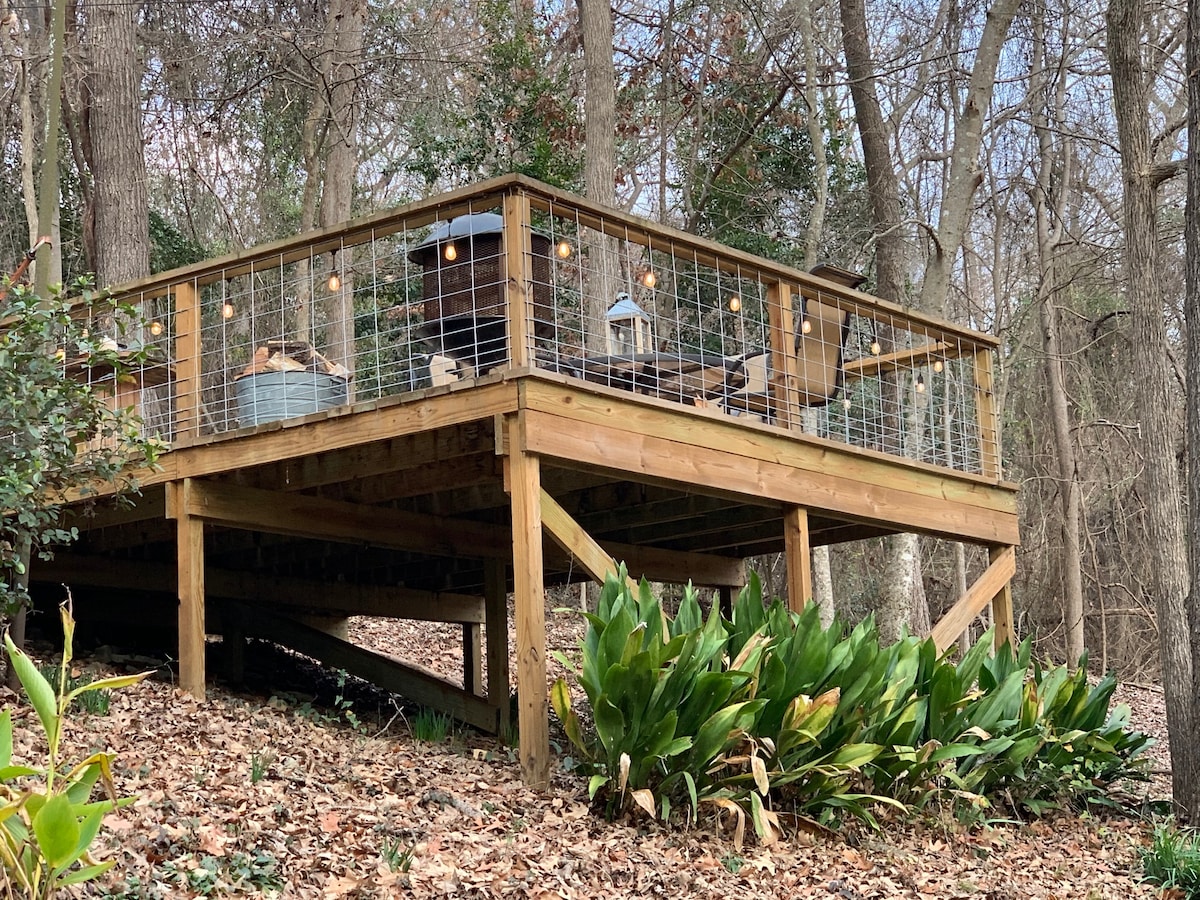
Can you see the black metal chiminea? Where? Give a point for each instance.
(464, 289)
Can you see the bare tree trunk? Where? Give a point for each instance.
(344, 49)
(1167, 566)
(600, 159)
(114, 113)
(1186, 776)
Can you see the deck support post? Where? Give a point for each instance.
(518, 251)
(190, 568)
(1002, 603)
(495, 605)
(799, 557)
(472, 658)
(529, 606)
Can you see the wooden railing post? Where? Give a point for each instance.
(785, 369)
(988, 415)
(518, 253)
(188, 369)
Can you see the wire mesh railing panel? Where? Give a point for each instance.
(441, 295)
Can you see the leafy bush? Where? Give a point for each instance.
(47, 818)
(1173, 860)
(769, 711)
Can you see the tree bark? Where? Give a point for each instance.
(1187, 791)
(600, 159)
(114, 113)
(343, 55)
(1167, 566)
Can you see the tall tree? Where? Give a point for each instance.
(1167, 567)
(1190, 795)
(113, 141)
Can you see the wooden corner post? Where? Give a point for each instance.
(988, 415)
(786, 378)
(1002, 601)
(518, 253)
(495, 604)
(529, 612)
(798, 551)
(190, 563)
(187, 361)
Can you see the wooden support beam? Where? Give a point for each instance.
(412, 683)
(992, 582)
(679, 566)
(472, 646)
(1002, 603)
(909, 358)
(190, 568)
(567, 533)
(799, 557)
(300, 515)
(298, 595)
(529, 607)
(495, 600)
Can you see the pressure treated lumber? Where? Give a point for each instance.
(799, 557)
(190, 562)
(993, 580)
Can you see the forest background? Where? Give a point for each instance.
(1019, 168)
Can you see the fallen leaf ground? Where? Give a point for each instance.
(274, 791)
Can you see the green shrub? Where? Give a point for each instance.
(769, 710)
(47, 818)
(1173, 860)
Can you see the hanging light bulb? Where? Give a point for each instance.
(806, 326)
(649, 279)
(938, 365)
(335, 282)
(735, 303)
(227, 311)
(875, 348)
(920, 384)
(563, 250)
(451, 252)
(156, 328)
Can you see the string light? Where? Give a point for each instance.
(156, 328)
(806, 326)
(938, 365)
(875, 348)
(451, 253)
(735, 303)
(335, 282)
(920, 384)
(227, 311)
(649, 279)
(563, 250)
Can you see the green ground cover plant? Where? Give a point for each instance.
(769, 716)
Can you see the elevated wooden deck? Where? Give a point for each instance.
(438, 502)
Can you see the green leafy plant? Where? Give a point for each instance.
(398, 854)
(47, 817)
(96, 703)
(1172, 861)
(260, 761)
(770, 710)
(430, 726)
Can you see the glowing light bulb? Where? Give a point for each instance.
(875, 348)
(920, 384)
(156, 328)
(451, 253)
(563, 250)
(735, 303)
(335, 281)
(806, 326)
(649, 279)
(227, 311)
(938, 365)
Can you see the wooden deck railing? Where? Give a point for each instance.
(515, 274)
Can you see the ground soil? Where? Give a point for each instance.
(303, 784)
